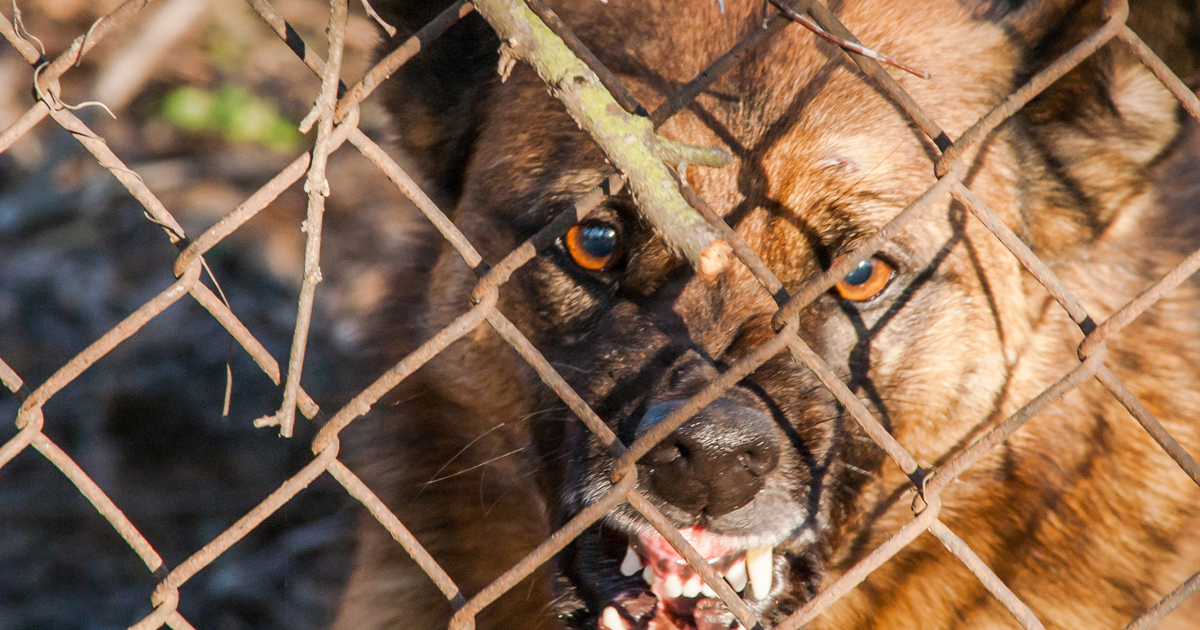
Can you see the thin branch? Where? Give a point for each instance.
(629, 142)
(845, 43)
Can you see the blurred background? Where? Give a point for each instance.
(207, 102)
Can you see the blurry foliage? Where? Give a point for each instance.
(236, 114)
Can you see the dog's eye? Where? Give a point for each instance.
(866, 281)
(593, 246)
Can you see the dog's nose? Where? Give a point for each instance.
(716, 462)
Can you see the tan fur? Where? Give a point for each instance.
(1080, 513)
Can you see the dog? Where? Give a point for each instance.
(942, 334)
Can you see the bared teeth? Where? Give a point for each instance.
(672, 586)
(611, 620)
(755, 569)
(631, 564)
(760, 568)
(736, 575)
(692, 587)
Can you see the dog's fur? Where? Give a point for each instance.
(1079, 512)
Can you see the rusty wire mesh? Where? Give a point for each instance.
(335, 118)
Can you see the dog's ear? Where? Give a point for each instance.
(1107, 123)
(436, 99)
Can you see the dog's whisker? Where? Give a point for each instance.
(476, 466)
(459, 453)
(573, 368)
(853, 468)
(548, 410)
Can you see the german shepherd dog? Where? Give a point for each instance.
(942, 334)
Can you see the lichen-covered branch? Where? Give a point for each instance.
(629, 142)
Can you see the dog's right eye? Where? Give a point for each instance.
(593, 246)
(865, 281)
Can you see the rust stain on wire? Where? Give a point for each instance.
(859, 572)
(986, 576)
(1150, 423)
(292, 39)
(550, 377)
(414, 193)
(1042, 80)
(464, 324)
(376, 507)
(857, 409)
(401, 55)
(1186, 97)
(984, 445)
(1034, 265)
(1173, 600)
(109, 340)
(465, 616)
(244, 525)
(686, 94)
(99, 500)
(252, 346)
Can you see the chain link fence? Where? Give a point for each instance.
(712, 244)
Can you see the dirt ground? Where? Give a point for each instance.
(78, 254)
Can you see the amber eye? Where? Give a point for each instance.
(593, 246)
(865, 281)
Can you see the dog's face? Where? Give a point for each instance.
(938, 333)
(763, 480)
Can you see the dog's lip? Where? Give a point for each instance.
(655, 550)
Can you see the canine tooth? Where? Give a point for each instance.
(707, 591)
(649, 576)
(672, 587)
(631, 564)
(611, 620)
(736, 575)
(759, 565)
(692, 587)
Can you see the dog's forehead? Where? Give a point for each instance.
(810, 134)
(668, 43)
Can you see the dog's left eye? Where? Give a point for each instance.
(865, 281)
(593, 246)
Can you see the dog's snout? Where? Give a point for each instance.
(716, 462)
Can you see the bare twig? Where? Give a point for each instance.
(847, 44)
(317, 187)
(871, 68)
